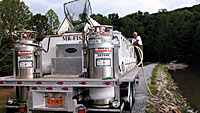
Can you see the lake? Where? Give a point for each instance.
(188, 81)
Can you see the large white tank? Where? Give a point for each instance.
(66, 38)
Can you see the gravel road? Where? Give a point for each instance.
(141, 91)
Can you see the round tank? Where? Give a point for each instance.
(101, 67)
(101, 97)
(100, 57)
(24, 66)
(24, 60)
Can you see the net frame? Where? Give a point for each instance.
(77, 12)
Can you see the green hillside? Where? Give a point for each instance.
(167, 35)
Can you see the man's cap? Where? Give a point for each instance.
(135, 33)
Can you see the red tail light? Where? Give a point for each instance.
(60, 83)
(81, 111)
(22, 110)
(1, 82)
(19, 82)
(65, 88)
(83, 83)
(50, 88)
(39, 83)
(34, 88)
(107, 83)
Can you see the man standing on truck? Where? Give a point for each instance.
(137, 41)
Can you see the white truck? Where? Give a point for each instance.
(89, 71)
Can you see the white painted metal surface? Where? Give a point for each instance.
(67, 38)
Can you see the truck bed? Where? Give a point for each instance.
(67, 80)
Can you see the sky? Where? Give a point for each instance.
(105, 7)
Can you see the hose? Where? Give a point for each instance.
(140, 54)
(22, 43)
(141, 62)
(37, 45)
(47, 50)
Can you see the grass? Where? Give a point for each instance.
(5, 92)
(152, 85)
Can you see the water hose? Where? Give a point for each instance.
(141, 63)
(141, 55)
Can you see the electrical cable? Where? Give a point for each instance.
(141, 62)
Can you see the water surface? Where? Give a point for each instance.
(188, 81)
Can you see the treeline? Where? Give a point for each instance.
(167, 36)
(15, 15)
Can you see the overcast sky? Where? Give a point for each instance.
(105, 7)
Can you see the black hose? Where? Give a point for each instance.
(46, 51)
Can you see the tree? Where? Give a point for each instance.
(166, 35)
(14, 15)
(162, 10)
(101, 19)
(115, 20)
(53, 21)
(40, 23)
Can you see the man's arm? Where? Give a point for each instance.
(136, 42)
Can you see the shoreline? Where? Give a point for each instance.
(166, 93)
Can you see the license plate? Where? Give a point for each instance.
(54, 101)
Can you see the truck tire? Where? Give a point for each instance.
(133, 92)
(128, 106)
(9, 110)
(132, 98)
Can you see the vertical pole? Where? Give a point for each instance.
(117, 92)
(84, 53)
(40, 62)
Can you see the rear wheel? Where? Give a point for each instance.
(128, 106)
(9, 110)
(132, 97)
